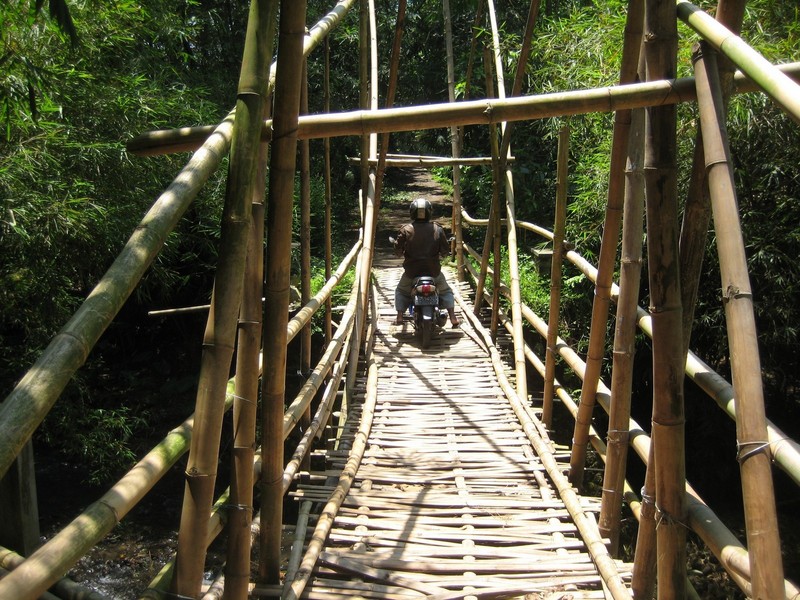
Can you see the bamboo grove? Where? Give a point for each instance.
(261, 136)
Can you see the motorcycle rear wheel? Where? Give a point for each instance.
(426, 333)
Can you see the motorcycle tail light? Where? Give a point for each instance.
(426, 289)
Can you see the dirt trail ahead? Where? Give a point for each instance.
(411, 183)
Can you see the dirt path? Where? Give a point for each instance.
(409, 183)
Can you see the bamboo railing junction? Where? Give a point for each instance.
(362, 414)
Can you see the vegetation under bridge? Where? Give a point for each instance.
(433, 473)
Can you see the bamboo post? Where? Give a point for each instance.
(305, 247)
(608, 248)
(220, 335)
(624, 338)
(697, 211)
(326, 150)
(279, 236)
(754, 454)
(369, 216)
(394, 65)
(520, 364)
(662, 253)
(248, 371)
(455, 142)
(555, 276)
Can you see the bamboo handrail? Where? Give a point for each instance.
(325, 520)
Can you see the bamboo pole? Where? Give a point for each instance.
(248, 368)
(662, 254)
(279, 236)
(474, 112)
(555, 276)
(783, 91)
(394, 67)
(753, 448)
(455, 141)
(325, 521)
(697, 210)
(220, 335)
(624, 338)
(521, 379)
(305, 248)
(369, 215)
(326, 151)
(608, 246)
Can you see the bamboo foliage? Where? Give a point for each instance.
(754, 453)
(276, 305)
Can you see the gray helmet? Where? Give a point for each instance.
(420, 210)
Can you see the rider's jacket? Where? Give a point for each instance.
(421, 244)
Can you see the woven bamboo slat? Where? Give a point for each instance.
(449, 499)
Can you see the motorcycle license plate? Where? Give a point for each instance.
(426, 301)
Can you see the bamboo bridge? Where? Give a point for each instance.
(435, 473)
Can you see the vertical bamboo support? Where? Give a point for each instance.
(391, 88)
(665, 297)
(520, 364)
(326, 149)
(220, 335)
(763, 539)
(455, 142)
(697, 212)
(608, 249)
(279, 237)
(555, 276)
(240, 515)
(624, 338)
(305, 250)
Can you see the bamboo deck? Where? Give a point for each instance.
(450, 499)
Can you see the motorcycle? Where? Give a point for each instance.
(426, 314)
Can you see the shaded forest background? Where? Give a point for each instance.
(77, 79)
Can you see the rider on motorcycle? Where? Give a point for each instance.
(421, 243)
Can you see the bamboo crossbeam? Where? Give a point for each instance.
(423, 161)
(474, 112)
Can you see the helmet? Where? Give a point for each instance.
(420, 210)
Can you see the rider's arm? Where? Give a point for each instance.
(444, 245)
